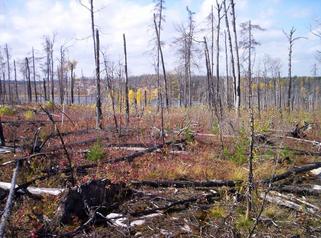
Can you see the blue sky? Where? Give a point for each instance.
(23, 23)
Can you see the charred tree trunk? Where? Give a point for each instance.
(28, 80)
(99, 114)
(15, 81)
(250, 159)
(52, 74)
(34, 75)
(236, 47)
(126, 81)
(9, 75)
(157, 30)
(72, 83)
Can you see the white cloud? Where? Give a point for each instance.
(24, 28)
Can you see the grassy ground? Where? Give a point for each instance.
(203, 159)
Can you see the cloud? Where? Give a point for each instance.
(23, 26)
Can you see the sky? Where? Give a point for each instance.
(24, 23)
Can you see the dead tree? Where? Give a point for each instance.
(29, 91)
(208, 72)
(7, 210)
(189, 43)
(109, 78)
(249, 43)
(159, 18)
(231, 51)
(236, 49)
(72, 66)
(291, 40)
(157, 30)
(218, 28)
(250, 161)
(9, 74)
(16, 82)
(126, 81)
(99, 114)
(34, 74)
(2, 138)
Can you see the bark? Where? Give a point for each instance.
(2, 138)
(236, 49)
(185, 184)
(294, 171)
(7, 209)
(9, 75)
(28, 81)
(250, 159)
(126, 82)
(99, 114)
(34, 74)
(231, 52)
(72, 83)
(293, 203)
(157, 30)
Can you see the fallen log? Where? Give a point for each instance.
(313, 142)
(294, 171)
(291, 202)
(7, 209)
(33, 190)
(79, 169)
(304, 191)
(186, 183)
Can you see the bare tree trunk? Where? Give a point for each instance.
(34, 74)
(159, 47)
(111, 94)
(250, 159)
(52, 74)
(236, 47)
(9, 74)
(126, 81)
(72, 83)
(291, 40)
(93, 26)
(227, 90)
(15, 80)
(29, 81)
(2, 138)
(208, 73)
(7, 209)
(231, 53)
(99, 114)
(218, 28)
(4, 90)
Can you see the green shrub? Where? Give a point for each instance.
(6, 111)
(218, 212)
(29, 115)
(243, 223)
(96, 152)
(215, 128)
(50, 105)
(239, 155)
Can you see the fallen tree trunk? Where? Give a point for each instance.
(7, 209)
(292, 202)
(183, 184)
(80, 169)
(33, 190)
(297, 170)
(297, 190)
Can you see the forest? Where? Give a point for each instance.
(224, 145)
